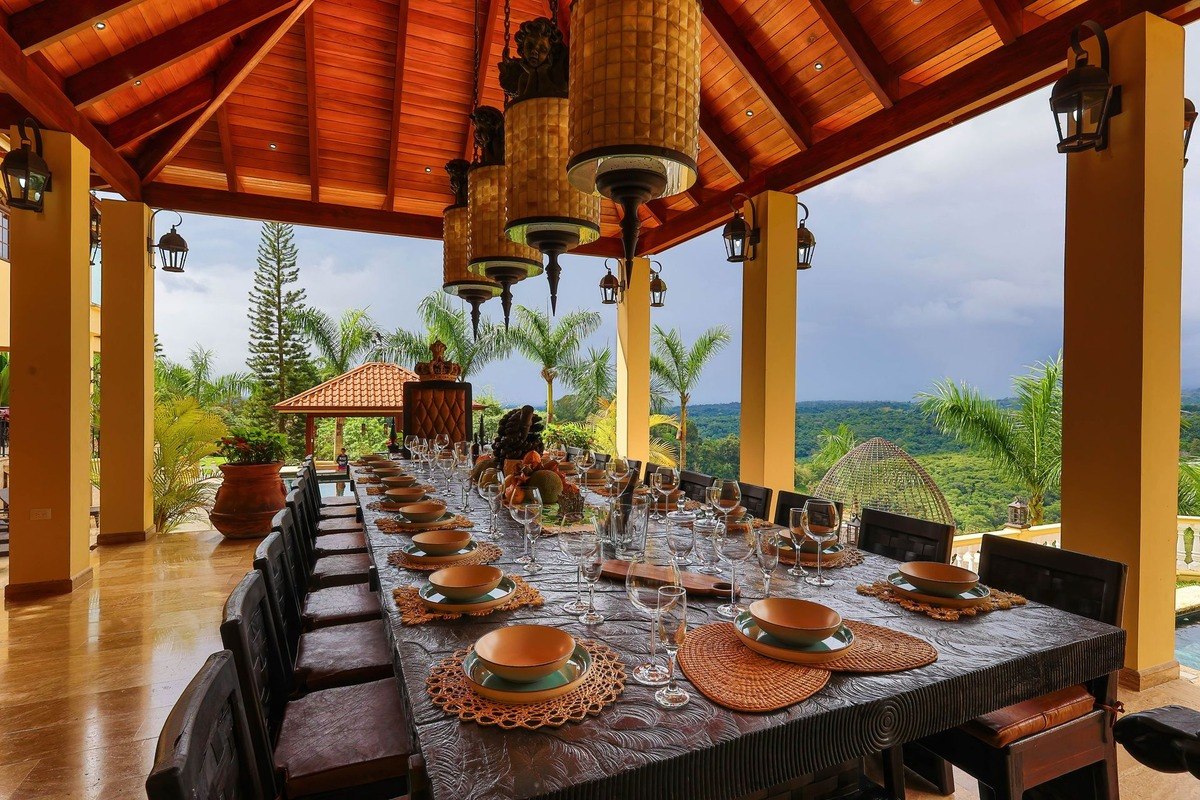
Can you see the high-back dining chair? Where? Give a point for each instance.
(434, 407)
(789, 500)
(904, 538)
(755, 499)
(651, 468)
(693, 484)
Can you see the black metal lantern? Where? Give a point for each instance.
(171, 247)
(1189, 120)
(26, 174)
(806, 243)
(741, 240)
(1084, 100)
(94, 227)
(610, 287)
(658, 287)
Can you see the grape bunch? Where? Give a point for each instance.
(519, 431)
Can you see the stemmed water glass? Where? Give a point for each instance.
(672, 628)
(766, 553)
(796, 525)
(462, 451)
(572, 544)
(463, 467)
(591, 563)
(707, 531)
(729, 497)
(648, 570)
(820, 523)
(410, 443)
(734, 547)
(490, 492)
(441, 442)
(680, 541)
(656, 485)
(527, 512)
(445, 465)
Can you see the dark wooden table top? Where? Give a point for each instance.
(634, 749)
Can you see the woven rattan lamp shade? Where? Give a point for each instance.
(540, 197)
(879, 474)
(488, 246)
(635, 90)
(457, 280)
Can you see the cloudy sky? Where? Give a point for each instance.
(943, 259)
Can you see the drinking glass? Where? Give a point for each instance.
(712, 497)
(672, 628)
(410, 444)
(572, 543)
(441, 442)
(464, 480)
(445, 465)
(821, 525)
(796, 526)
(730, 498)
(532, 513)
(630, 526)
(668, 481)
(591, 562)
(707, 531)
(766, 552)
(680, 541)
(490, 492)
(734, 546)
(656, 489)
(651, 569)
(462, 451)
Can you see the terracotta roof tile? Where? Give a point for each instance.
(373, 388)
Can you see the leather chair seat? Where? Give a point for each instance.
(340, 543)
(342, 570)
(343, 525)
(339, 739)
(338, 512)
(344, 655)
(331, 501)
(1003, 727)
(340, 605)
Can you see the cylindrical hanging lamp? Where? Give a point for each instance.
(544, 210)
(457, 280)
(635, 103)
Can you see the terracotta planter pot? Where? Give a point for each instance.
(249, 496)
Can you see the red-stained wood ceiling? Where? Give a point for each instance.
(343, 112)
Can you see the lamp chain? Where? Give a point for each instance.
(554, 12)
(507, 27)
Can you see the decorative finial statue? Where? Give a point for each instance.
(457, 170)
(540, 68)
(489, 135)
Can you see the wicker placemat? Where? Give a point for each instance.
(450, 691)
(414, 612)
(877, 649)
(366, 479)
(997, 601)
(377, 490)
(731, 675)
(392, 525)
(484, 553)
(846, 557)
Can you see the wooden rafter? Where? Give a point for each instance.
(1009, 18)
(299, 212)
(226, 140)
(732, 40)
(254, 46)
(159, 52)
(310, 89)
(486, 39)
(737, 162)
(166, 110)
(50, 21)
(22, 78)
(397, 102)
(848, 32)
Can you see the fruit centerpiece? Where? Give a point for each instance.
(517, 456)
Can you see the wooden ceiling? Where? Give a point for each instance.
(343, 112)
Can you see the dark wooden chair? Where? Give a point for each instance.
(205, 748)
(693, 484)
(601, 459)
(756, 499)
(650, 470)
(434, 407)
(904, 538)
(323, 570)
(573, 453)
(789, 500)
(1065, 737)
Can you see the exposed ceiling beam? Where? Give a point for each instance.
(253, 48)
(397, 102)
(1009, 18)
(310, 89)
(486, 39)
(166, 110)
(50, 21)
(30, 86)
(226, 140)
(169, 47)
(737, 162)
(298, 212)
(732, 39)
(848, 32)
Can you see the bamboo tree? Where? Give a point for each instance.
(553, 346)
(677, 367)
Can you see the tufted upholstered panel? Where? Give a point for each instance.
(433, 407)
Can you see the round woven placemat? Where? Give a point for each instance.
(484, 553)
(997, 601)
(848, 557)
(450, 690)
(732, 675)
(392, 525)
(413, 610)
(877, 649)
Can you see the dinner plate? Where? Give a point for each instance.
(973, 597)
(765, 644)
(487, 684)
(414, 553)
(785, 541)
(496, 597)
(395, 507)
(444, 518)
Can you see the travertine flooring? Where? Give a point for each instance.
(87, 679)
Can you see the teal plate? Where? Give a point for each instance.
(972, 597)
(556, 684)
(449, 515)
(839, 641)
(498, 596)
(415, 551)
(786, 543)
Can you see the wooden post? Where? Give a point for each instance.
(310, 436)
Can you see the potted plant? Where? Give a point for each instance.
(252, 491)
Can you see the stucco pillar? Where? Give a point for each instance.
(633, 365)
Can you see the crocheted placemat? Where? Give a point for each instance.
(877, 649)
(732, 675)
(366, 479)
(378, 490)
(484, 553)
(392, 525)
(847, 557)
(997, 601)
(450, 691)
(413, 610)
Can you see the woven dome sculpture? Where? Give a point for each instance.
(879, 474)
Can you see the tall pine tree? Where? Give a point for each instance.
(279, 359)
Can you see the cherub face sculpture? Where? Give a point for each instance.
(535, 39)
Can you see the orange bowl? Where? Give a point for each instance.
(372, 457)
(795, 621)
(424, 511)
(405, 496)
(442, 543)
(936, 578)
(525, 653)
(397, 480)
(467, 581)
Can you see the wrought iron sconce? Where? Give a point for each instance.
(26, 174)
(610, 287)
(1084, 100)
(171, 247)
(94, 227)
(658, 287)
(1189, 120)
(741, 240)
(806, 243)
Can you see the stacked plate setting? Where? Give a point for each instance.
(467, 587)
(523, 664)
(796, 631)
(938, 584)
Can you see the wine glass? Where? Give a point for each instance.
(766, 553)
(490, 492)
(712, 497)
(410, 444)
(445, 465)
(462, 451)
(730, 499)
(441, 442)
(591, 563)
(672, 628)
(796, 526)
(680, 541)
(734, 547)
(515, 511)
(656, 484)
(707, 531)
(572, 544)
(531, 512)
(649, 570)
(820, 523)
(668, 481)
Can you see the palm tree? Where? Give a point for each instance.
(452, 327)
(831, 446)
(552, 346)
(593, 378)
(1025, 442)
(197, 381)
(1189, 489)
(604, 434)
(184, 433)
(677, 367)
(341, 345)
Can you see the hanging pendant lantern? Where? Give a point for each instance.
(658, 287)
(610, 287)
(635, 103)
(543, 209)
(490, 252)
(806, 243)
(457, 280)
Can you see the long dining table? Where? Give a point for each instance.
(703, 751)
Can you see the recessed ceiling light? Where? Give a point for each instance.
(749, 112)
(273, 146)
(101, 25)
(429, 169)
(137, 83)
(818, 66)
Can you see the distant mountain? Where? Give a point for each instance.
(1191, 397)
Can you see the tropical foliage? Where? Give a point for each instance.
(663, 449)
(251, 446)
(677, 367)
(196, 379)
(452, 326)
(184, 434)
(831, 446)
(553, 346)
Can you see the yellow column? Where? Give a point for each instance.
(1121, 340)
(127, 370)
(768, 427)
(50, 381)
(633, 366)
